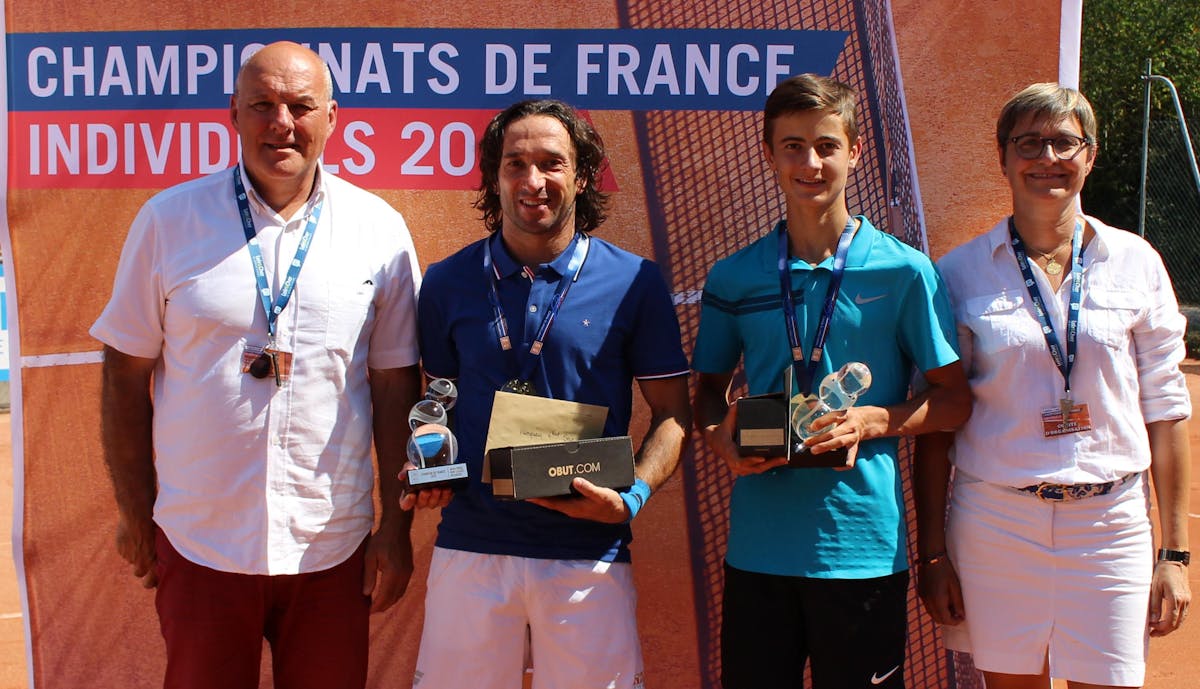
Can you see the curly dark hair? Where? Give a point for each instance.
(590, 162)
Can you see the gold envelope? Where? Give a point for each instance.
(519, 420)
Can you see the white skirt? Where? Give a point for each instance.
(1067, 581)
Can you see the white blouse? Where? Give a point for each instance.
(1126, 368)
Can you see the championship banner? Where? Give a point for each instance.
(110, 103)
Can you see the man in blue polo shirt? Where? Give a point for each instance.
(557, 566)
(816, 568)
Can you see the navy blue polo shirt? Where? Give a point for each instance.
(617, 323)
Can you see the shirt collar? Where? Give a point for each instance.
(315, 197)
(506, 266)
(998, 239)
(1098, 247)
(860, 249)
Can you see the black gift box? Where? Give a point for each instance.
(541, 471)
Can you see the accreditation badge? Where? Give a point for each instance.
(263, 362)
(1067, 417)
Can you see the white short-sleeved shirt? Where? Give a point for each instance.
(1126, 369)
(255, 478)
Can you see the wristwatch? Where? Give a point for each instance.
(1183, 557)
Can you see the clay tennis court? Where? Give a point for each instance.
(1172, 659)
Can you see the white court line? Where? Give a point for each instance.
(10, 615)
(1194, 516)
(71, 358)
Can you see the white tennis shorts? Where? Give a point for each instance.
(1067, 581)
(580, 615)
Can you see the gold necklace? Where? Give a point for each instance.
(1053, 267)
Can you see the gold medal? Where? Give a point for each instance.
(519, 387)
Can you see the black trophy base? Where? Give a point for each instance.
(801, 458)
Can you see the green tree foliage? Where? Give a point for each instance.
(1118, 37)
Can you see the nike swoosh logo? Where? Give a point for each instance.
(880, 679)
(860, 299)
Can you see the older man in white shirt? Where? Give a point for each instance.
(261, 318)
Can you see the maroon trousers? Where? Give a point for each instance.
(214, 624)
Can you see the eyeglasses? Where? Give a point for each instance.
(1065, 147)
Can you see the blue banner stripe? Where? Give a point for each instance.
(599, 69)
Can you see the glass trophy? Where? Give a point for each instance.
(432, 447)
(443, 392)
(838, 390)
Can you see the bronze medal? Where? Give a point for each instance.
(261, 366)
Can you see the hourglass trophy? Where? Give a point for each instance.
(432, 447)
(838, 390)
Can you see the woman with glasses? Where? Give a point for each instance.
(1071, 338)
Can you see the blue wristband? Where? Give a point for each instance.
(635, 497)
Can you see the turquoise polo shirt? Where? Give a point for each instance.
(893, 314)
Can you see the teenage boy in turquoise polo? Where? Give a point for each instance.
(816, 567)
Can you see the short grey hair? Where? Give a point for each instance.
(1048, 101)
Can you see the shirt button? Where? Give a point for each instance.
(533, 308)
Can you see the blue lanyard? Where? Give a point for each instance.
(805, 375)
(256, 258)
(1039, 306)
(575, 265)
